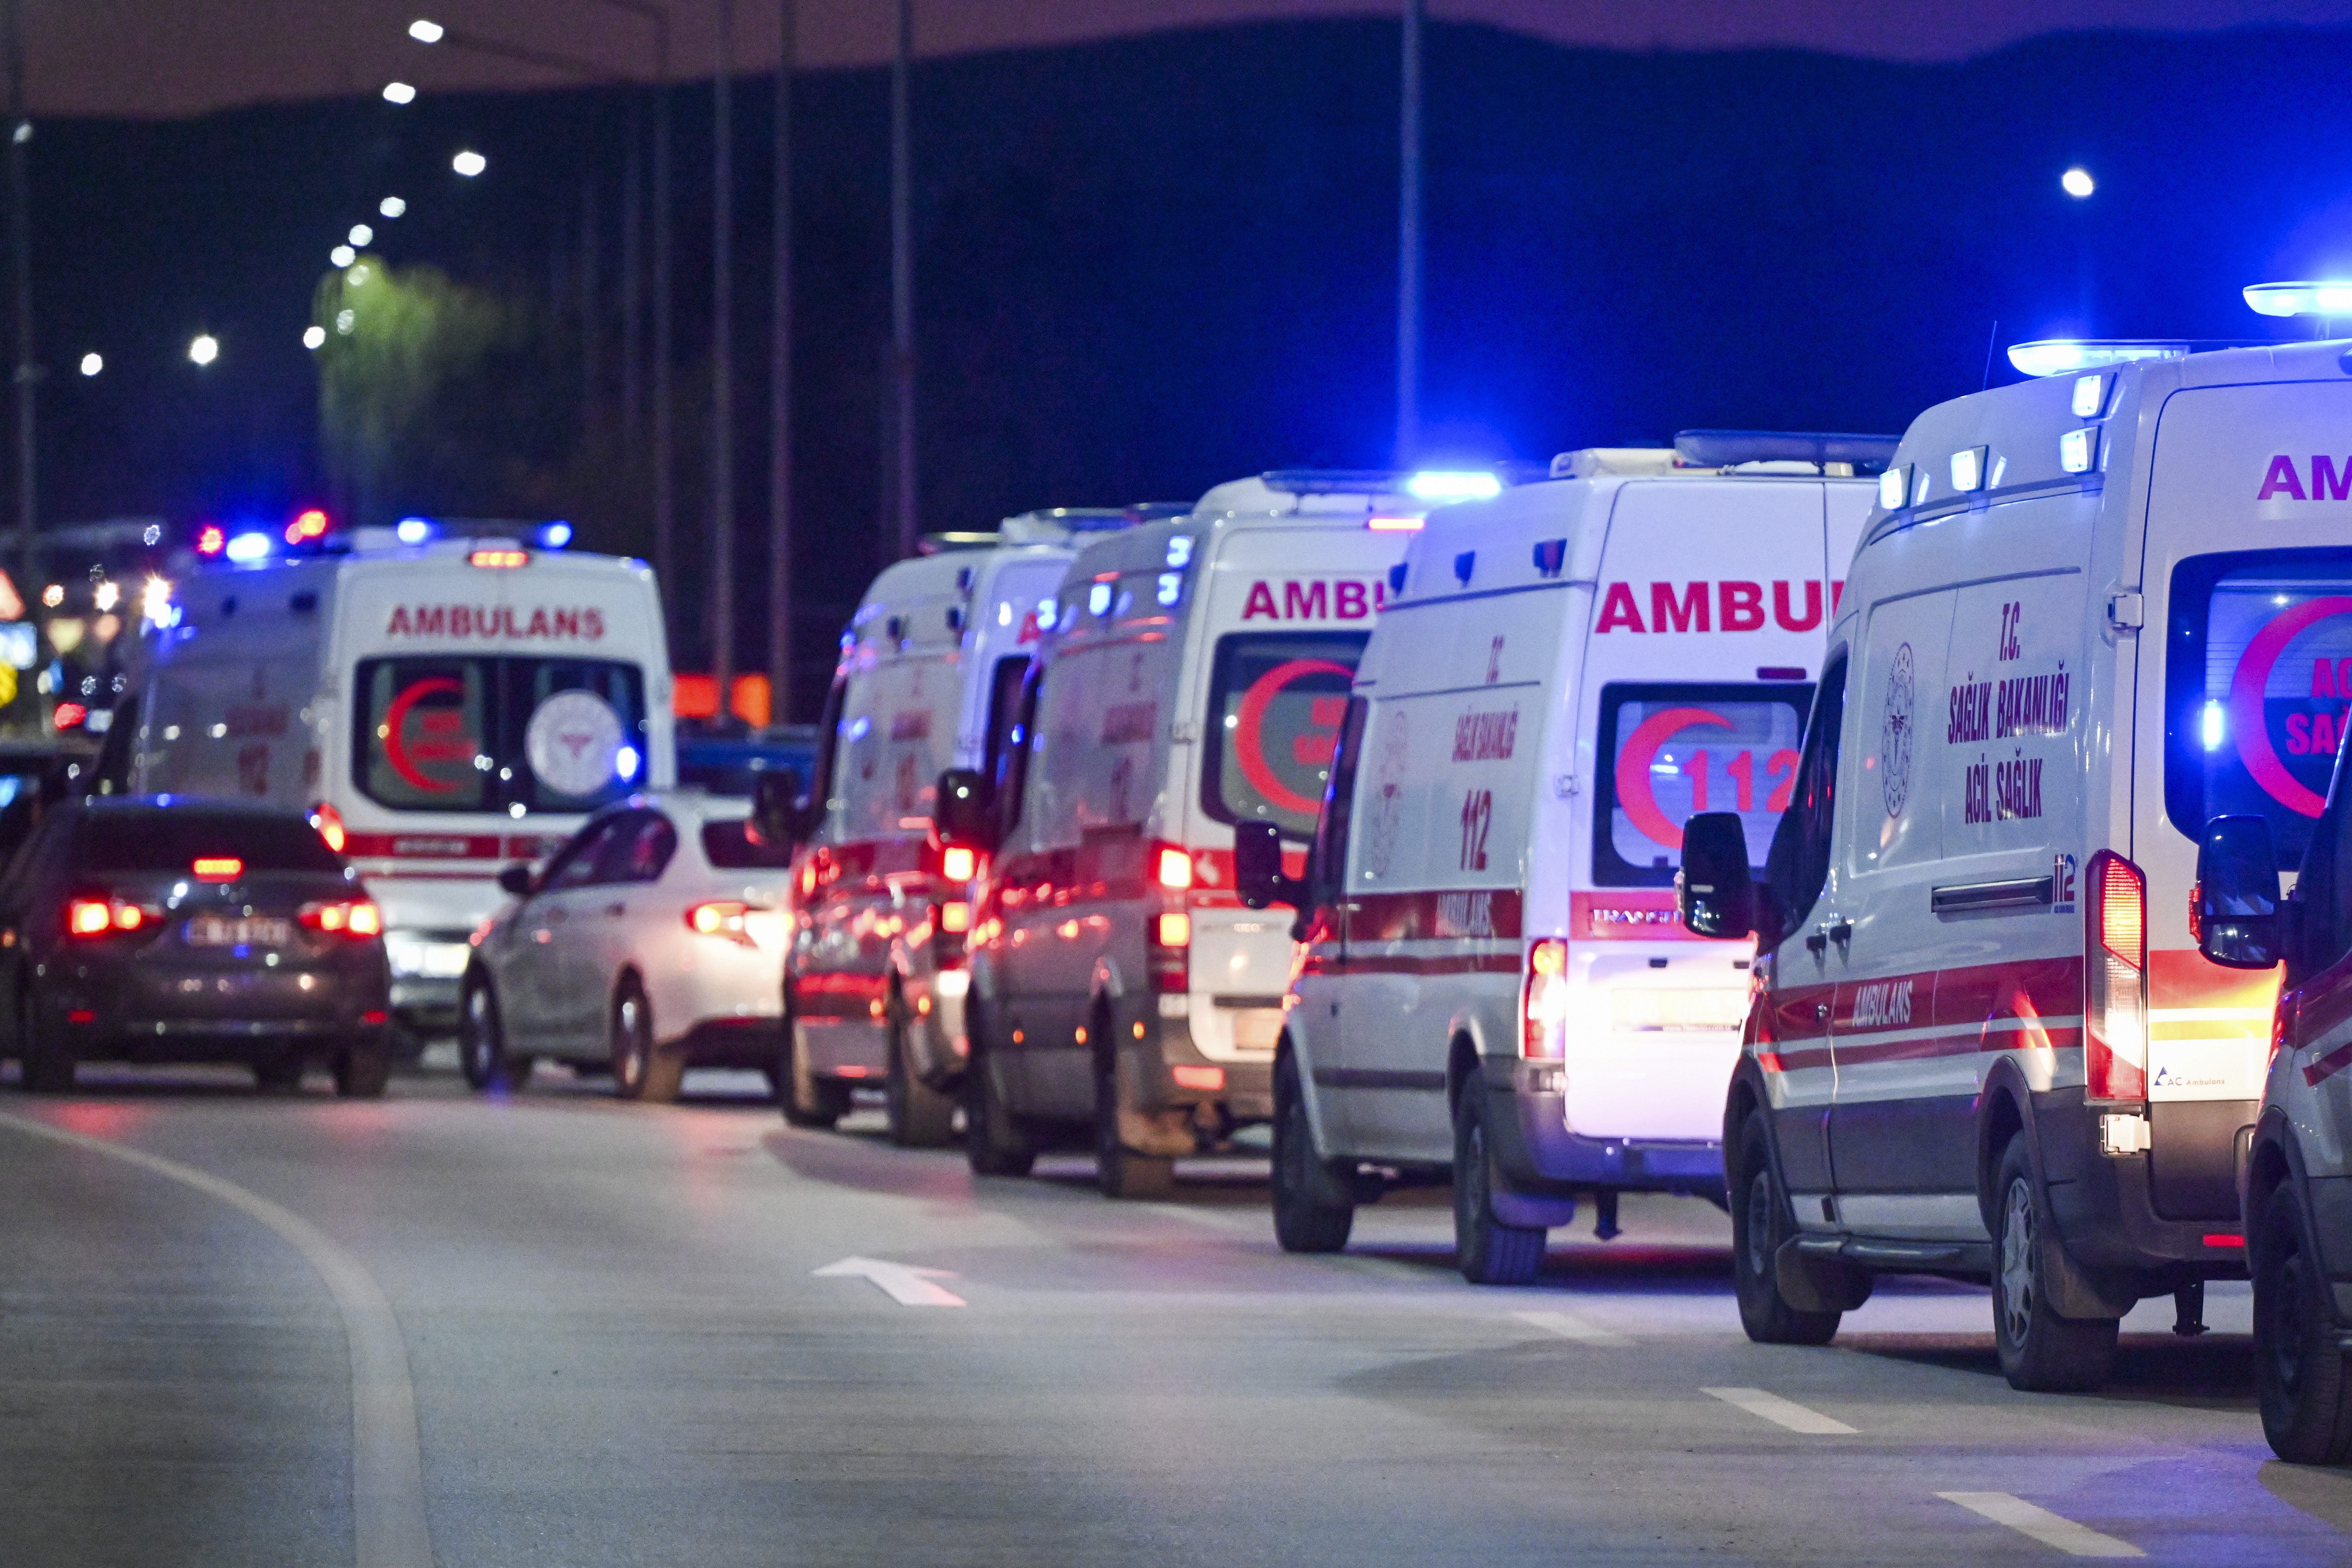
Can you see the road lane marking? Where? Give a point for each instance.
(1781, 1412)
(2050, 1529)
(1214, 1219)
(388, 1524)
(1569, 1326)
(902, 1282)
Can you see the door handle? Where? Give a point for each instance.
(1842, 933)
(1820, 1011)
(1818, 943)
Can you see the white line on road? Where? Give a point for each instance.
(388, 1522)
(1214, 1219)
(2050, 1529)
(1569, 1326)
(903, 1282)
(1779, 1412)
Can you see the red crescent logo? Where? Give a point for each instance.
(2246, 715)
(395, 750)
(1634, 759)
(1249, 744)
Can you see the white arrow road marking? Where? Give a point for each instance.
(387, 1476)
(1569, 1326)
(903, 1282)
(1781, 1412)
(2050, 1529)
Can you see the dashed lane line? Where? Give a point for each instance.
(2050, 1529)
(388, 1522)
(902, 1282)
(1782, 1412)
(1569, 1326)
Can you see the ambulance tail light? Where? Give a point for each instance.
(2114, 979)
(1172, 868)
(1169, 953)
(330, 824)
(958, 863)
(1543, 1002)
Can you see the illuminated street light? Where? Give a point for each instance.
(363, 235)
(343, 256)
(204, 348)
(425, 32)
(314, 337)
(92, 363)
(392, 206)
(399, 93)
(2077, 183)
(345, 319)
(470, 164)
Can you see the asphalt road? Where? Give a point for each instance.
(557, 1331)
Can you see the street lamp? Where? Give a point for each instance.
(470, 164)
(425, 32)
(204, 349)
(343, 256)
(399, 93)
(392, 206)
(314, 337)
(362, 235)
(2077, 183)
(92, 363)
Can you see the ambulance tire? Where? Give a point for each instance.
(2301, 1382)
(640, 1071)
(1314, 1204)
(1119, 1170)
(363, 1070)
(1488, 1251)
(806, 1099)
(2041, 1352)
(1760, 1223)
(919, 1117)
(995, 1144)
(482, 1041)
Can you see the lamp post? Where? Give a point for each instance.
(20, 246)
(902, 286)
(1408, 344)
(779, 387)
(722, 364)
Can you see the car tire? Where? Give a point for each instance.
(920, 1116)
(2301, 1382)
(280, 1074)
(2039, 1352)
(806, 1099)
(641, 1071)
(482, 1041)
(1121, 1171)
(1760, 1226)
(45, 1060)
(1314, 1203)
(363, 1071)
(1488, 1251)
(994, 1141)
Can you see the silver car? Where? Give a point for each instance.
(652, 941)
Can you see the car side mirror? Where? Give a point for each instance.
(964, 816)
(1257, 867)
(776, 806)
(1714, 891)
(2236, 902)
(516, 880)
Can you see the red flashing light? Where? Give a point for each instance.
(211, 539)
(306, 526)
(958, 863)
(70, 715)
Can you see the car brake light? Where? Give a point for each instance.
(724, 918)
(90, 917)
(955, 917)
(356, 918)
(1169, 958)
(1207, 1080)
(330, 824)
(219, 868)
(959, 864)
(69, 715)
(1175, 929)
(2115, 1009)
(1173, 867)
(1543, 1007)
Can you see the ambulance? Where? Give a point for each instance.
(1194, 674)
(441, 698)
(1493, 986)
(930, 677)
(1985, 1044)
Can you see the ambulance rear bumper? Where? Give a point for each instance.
(2112, 1209)
(1541, 1156)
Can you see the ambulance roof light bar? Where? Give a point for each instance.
(1334, 481)
(1438, 486)
(2065, 356)
(1730, 449)
(2332, 297)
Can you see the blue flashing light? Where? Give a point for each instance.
(1438, 486)
(249, 547)
(1172, 588)
(413, 530)
(1180, 550)
(2065, 356)
(2332, 297)
(555, 535)
(2216, 726)
(1048, 610)
(624, 763)
(1098, 599)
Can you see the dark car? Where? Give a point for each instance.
(164, 930)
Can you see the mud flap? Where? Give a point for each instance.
(1166, 1133)
(1818, 1282)
(2079, 1292)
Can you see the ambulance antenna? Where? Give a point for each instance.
(1992, 338)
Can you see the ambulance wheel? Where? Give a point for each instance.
(994, 1141)
(806, 1099)
(1759, 1224)
(1119, 1170)
(1489, 1251)
(2300, 1377)
(640, 1071)
(364, 1069)
(2040, 1350)
(1314, 1204)
(920, 1116)
(482, 1041)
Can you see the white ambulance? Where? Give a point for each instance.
(441, 705)
(1193, 675)
(929, 678)
(1493, 983)
(2089, 613)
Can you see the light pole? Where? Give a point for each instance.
(902, 287)
(1408, 345)
(20, 246)
(722, 364)
(779, 387)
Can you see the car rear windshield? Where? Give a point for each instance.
(1674, 750)
(463, 733)
(1276, 702)
(2258, 677)
(729, 847)
(174, 839)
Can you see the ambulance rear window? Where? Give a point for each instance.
(460, 733)
(1276, 702)
(1673, 751)
(2258, 679)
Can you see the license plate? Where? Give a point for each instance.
(215, 931)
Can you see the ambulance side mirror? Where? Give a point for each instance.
(965, 817)
(1257, 867)
(2236, 903)
(776, 806)
(1713, 890)
(516, 880)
